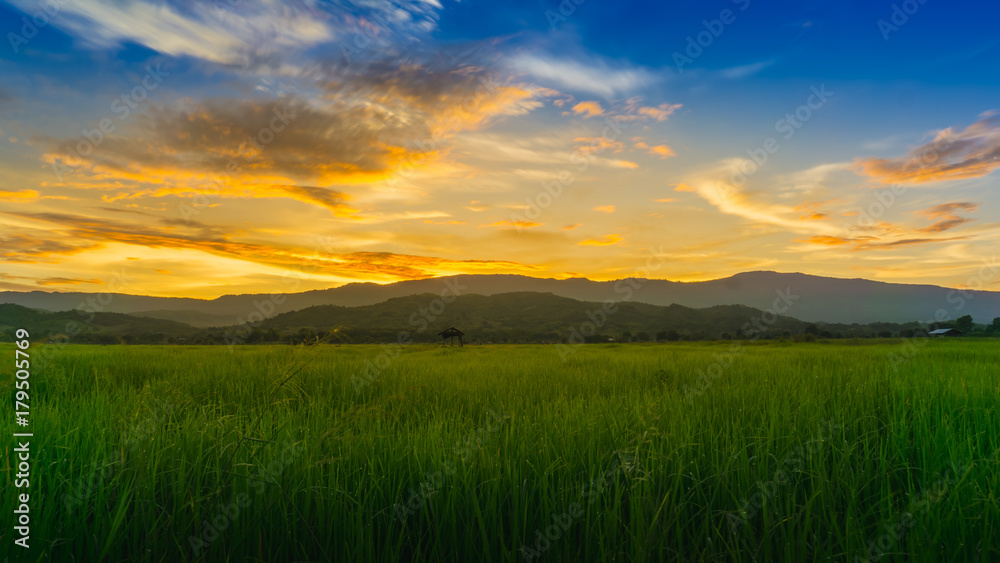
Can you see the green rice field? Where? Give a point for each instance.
(825, 451)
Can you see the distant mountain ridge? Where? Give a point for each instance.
(533, 316)
(44, 323)
(817, 299)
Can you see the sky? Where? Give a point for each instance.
(203, 148)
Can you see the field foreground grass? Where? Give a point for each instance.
(677, 452)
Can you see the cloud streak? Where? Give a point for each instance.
(597, 78)
(355, 265)
(373, 124)
(951, 155)
(233, 32)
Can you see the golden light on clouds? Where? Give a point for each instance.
(624, 164)
(661, 112)
(662, 151)
(20, 195)
(588, 109)
(524, 224)
(605, 241)
(455, 160)
(952, 155)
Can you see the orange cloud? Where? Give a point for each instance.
(66, 281)
(356, 265)
(666, 200)
(947, 209)
(605, 208)
(606, 241)
(21, 195)
(590, 145)
(945, 216)
(661, 112)
(662, 151)
(682, 187)
(524, 224)
(432, 222)
(588, 108)
(903, 242)
(952, 155)
(571, 227)
(36, 246)
(377, 122)
(624, 164)
(825, 240)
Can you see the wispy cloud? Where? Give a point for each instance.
(238, 33)
(67, 281)
(354, 265)
(20, 195)
(365, 130)
(744, 71)
(598, 78)
(715, 186)
(623, 164)
(605, 241)
(945, 217)
(662, 151)
(588, 109)
(951, 155)
(524, 224)
(38, 246)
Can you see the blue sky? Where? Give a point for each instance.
(445, 121)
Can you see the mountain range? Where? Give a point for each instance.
(812, 298)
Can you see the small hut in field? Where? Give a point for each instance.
(450, 334)
(945, 332)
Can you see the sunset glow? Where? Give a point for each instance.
(244, 142)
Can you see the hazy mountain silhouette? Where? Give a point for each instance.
(820, 299)
(530, 316)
